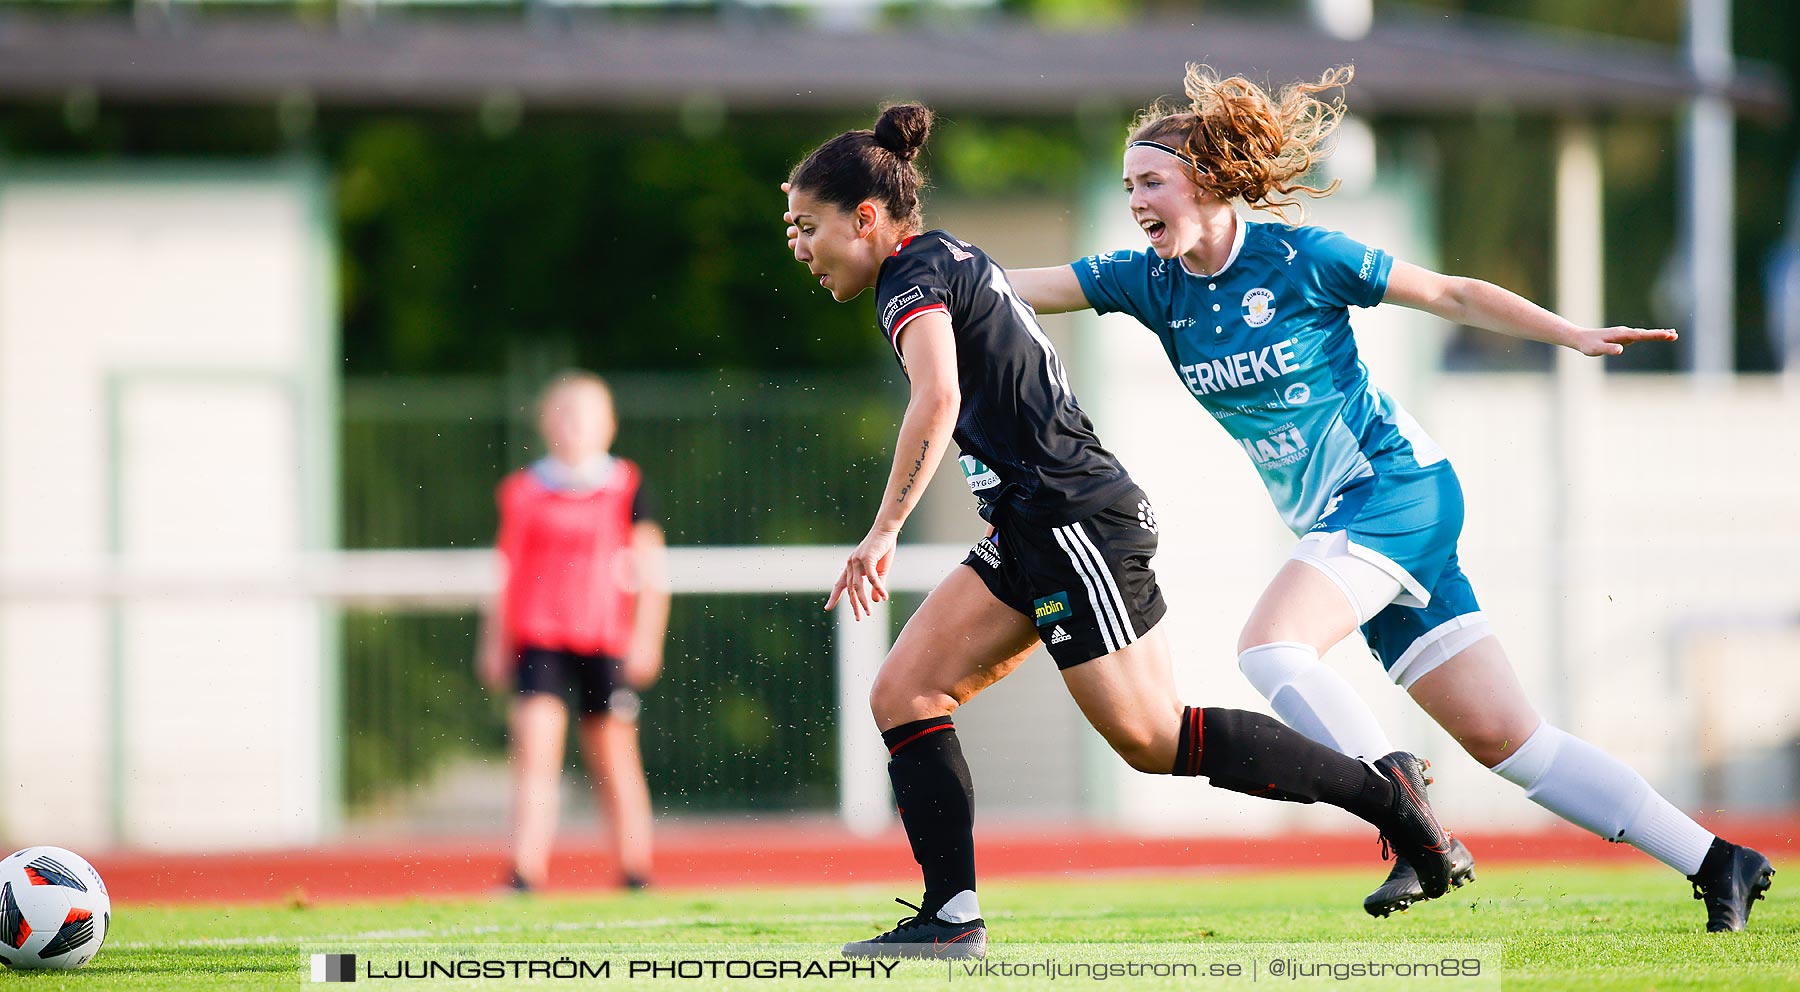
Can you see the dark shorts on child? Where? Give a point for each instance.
(598, 680)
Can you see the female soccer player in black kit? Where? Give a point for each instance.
(1067, 560)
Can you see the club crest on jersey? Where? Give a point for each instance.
(892, 310)
(1053, 608)
(956, 253)
(1259, 307)
(1297, 394)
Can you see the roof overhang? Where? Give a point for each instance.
(418, 61)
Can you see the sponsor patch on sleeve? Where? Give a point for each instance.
(899, 303)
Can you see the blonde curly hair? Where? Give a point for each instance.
(1239, 141)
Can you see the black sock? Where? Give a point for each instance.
(1260, 756)
(937, 804)
(1717, 856)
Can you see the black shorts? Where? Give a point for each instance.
(598, 679)
(1087, 585)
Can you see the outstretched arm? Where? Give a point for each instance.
(1482, 304)
(1049, 290)
(929, 348)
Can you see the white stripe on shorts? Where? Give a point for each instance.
(1103, 592)
(1107, 632)
(1110, 586)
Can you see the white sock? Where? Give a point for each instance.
(961, 908)
(1599, 793)
(1313, 699)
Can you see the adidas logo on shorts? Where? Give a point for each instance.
(1059, 635)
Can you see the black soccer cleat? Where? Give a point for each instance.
(1402, 887)
(1413, 831)
(924, 935)
(1730, 881)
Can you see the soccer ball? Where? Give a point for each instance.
(54, 910)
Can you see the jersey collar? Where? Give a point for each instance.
(590, 476)
(1237, 245)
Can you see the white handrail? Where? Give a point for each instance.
(437, 576)
(447, 578)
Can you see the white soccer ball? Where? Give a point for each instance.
(54, 910)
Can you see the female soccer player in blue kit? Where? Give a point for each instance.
(1254, 318)
(1067, 563)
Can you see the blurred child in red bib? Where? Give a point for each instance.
(583, 608)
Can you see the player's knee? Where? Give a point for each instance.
(1274, 628)
(1491, 742)
(895, 700)
(885, 701)
(1149, 760)
(1255, 634)
(1269, 665)
(1143, 750)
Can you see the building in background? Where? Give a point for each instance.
(1631, 532)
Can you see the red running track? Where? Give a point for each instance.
(717, 854)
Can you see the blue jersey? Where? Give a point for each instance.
(1265, 345)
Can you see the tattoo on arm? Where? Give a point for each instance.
(914, 474)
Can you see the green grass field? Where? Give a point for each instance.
(1542, 928)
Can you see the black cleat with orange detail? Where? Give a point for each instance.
(1413, 830)
(1402, 889)
(924, 935)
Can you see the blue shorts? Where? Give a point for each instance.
(1407, 523)
(1410, 641)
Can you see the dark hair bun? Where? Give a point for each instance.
(903, 129)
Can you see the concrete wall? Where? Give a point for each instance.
(165, 397)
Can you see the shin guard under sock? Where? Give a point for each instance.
(937, 804)
(1314, 699)
(1259, 756)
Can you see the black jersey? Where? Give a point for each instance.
(1027, 448)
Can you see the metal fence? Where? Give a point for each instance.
(729, 460)
(742, 719)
